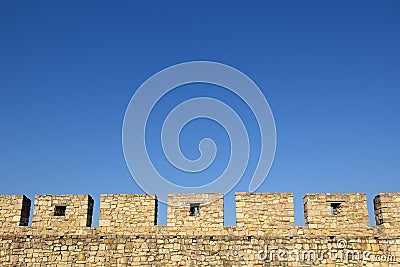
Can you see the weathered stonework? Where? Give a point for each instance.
(336, 210)
(121, 212)
(210, 208)
(265, 234)
(14, 211)
(387, 207)
(78, 210)
(260, 211)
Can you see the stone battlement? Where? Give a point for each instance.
(128, 235)
(256, 211)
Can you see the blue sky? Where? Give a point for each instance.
(329, 70)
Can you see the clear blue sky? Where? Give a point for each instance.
(329, 69)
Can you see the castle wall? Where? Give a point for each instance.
(336, 210)
(335, 235)
(62, 211)
(265, 211)
(126, 211)
(201, 250)
(387, 210)
(196, 210)
(14, 211)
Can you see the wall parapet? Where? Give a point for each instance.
(256, 213)
(127, 236)
(195, 210)
(128, 210)
(14, 210)
(336, 210)
(265, 211)
(62, 211)
(387, 210)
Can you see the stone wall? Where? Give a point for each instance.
(260, 211)
(336, 210)
(201, 250)
(14, 211)
(387, 210)
(128, 236)
(122, 211)
(62, 211)
(196, 210)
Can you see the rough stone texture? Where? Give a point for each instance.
(387, 210)
(336, 210)
(260, 211)
(78, 210)
(14, 211)
(122, 211)
(206, 244)
(210, 211)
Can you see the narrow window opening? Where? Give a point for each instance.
(194, 209)
(60, 210)
(335, 208)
